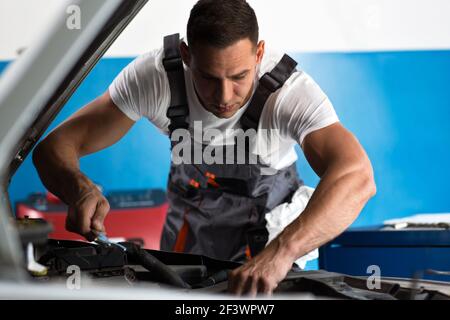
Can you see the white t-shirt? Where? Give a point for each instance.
(142, 90)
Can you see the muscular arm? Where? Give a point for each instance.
(345, 186)
(96, 126)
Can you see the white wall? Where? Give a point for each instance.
(290, 25)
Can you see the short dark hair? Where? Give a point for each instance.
(221, 23)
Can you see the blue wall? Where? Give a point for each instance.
(140, 160)
(396, 103)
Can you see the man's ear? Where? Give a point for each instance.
(185, 53)
(260, 51)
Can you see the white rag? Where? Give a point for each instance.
(279, 217)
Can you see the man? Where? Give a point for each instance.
(214, 208)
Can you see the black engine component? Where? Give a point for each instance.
(196, 272)
(62, 253)
(178, 270)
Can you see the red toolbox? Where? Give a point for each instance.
(134, 215)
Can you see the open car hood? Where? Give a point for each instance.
(35, 87)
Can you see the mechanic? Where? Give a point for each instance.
(214, 209)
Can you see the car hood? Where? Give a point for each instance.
(35, 87)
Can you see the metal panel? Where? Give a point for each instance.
(35, 87)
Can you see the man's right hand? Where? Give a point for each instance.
(96, 126)
(86, 213)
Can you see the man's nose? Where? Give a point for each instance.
(225, 92)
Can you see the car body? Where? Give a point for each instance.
(33, 89)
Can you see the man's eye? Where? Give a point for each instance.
(239, 77)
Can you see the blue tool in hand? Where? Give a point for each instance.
(103, 240)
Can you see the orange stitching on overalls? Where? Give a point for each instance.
(180, 242)
(212, 179)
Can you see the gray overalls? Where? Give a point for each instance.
(218, 210)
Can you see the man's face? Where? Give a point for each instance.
(223, 77)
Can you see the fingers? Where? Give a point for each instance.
(264, 287)
(79, 216)
(242, 282)
(97, 221)
(86, 217)
(251, 286)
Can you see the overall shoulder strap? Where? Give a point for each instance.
(269, 83)
(178, 109)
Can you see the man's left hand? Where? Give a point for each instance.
(262, 273)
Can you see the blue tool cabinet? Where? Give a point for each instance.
(397, 253)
